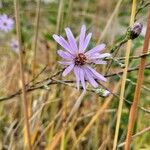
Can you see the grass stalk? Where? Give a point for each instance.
(36, 37)
(68, 19)
(25, 102)
(140, 78)
(59, 16)
(128, 48)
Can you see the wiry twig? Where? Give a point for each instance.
(50, 81)
(129, 70)
(135, 135)
(141, 8)
(67, 83)
(127, 101)
(134, 57)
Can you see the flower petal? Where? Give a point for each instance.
(65, 55)
(90, 78)
(62, 42)
(66, 62)
(82, 78)
(82, 38)
(86, 41)
(67, 70)
(71, 40)
(96, 49)
(96, 74)
(99, 62)
(77, 74)
(99, 56)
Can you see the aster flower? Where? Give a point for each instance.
(6, 23)
(79, 60)
(14, 45)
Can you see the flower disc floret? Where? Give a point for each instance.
(80, 59)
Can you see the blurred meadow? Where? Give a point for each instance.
(40, 109)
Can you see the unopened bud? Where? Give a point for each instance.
(106, 93)
(135, 30)
(102, 92)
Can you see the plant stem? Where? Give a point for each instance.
(124, 78)
(36, 37)
(18, 29)
(137, 93)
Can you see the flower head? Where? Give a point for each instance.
(79, 60)
(14, 45)
(6, 23)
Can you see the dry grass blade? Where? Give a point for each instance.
(55, 140)
(137, 93)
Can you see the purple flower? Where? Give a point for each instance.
(6, 23)
(79, 60)
(14, 45)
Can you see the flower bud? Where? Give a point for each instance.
(102, 92)
(135, 30)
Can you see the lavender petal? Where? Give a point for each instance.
(77, 74)
(66, 62)
(101, 62)
(67, 70)
(82, 38)
(96, 74)
(96, 49)
(60, 40)
(82, 78)
(99, 56)
(86, 41)
(65, 55)
(90, 78)
(71, 40)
